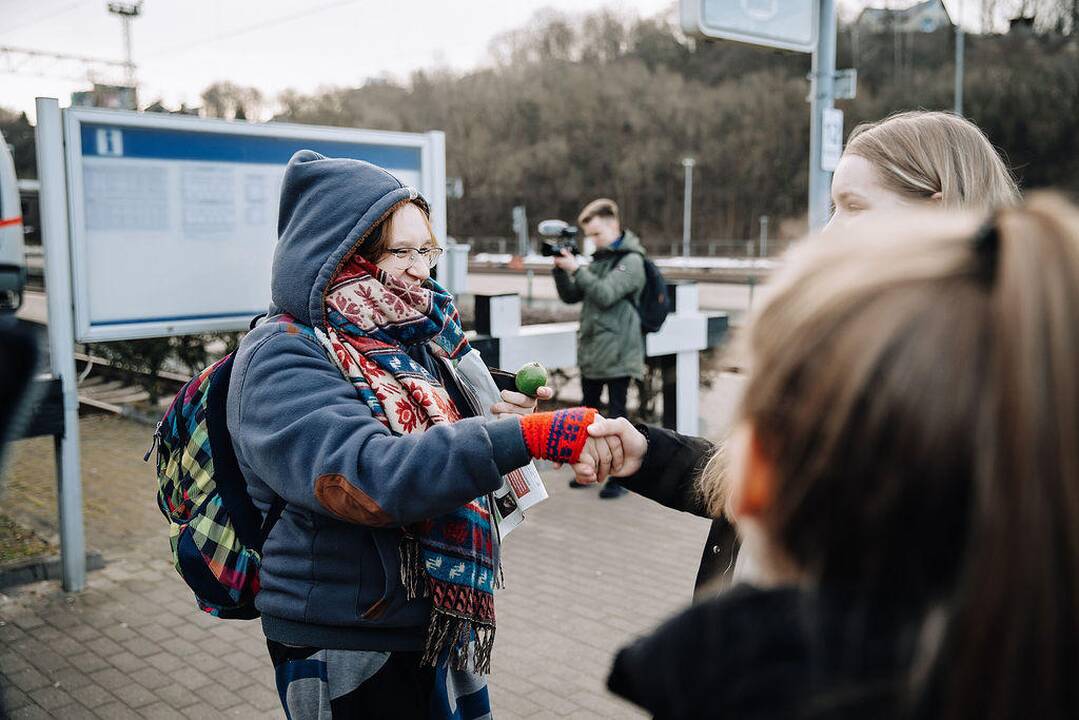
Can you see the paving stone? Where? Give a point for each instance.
(76, 711)
(244, 662)
(191, 678)
(205, 661)
(82, 633)
(156, 633)
(47, 660)
(28, 622)
(134, 695)
(110, 679)
(71, 678)
(10, 633)
(127, 662)
(13, 698)
(183, 648)
(30, 712)
(141, 647)
(152, 678)
(120, 633)
(47, 633)
(179, 697)
(232, 678)
(94, 696)
(104, 647)
(89, 662)
(12, 662)
(116, 711)
(160, 711)
(219, 696)
(261, 697)
(28, 679)
(165, 662)
(51, 697)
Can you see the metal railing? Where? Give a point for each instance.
(656, 247)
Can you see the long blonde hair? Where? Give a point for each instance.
(921, 153)
(916, 388)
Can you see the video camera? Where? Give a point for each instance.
(564, 238)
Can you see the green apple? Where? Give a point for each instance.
(530, 378)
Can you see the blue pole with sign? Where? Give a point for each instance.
(822, 118)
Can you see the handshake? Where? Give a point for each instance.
(614, 449)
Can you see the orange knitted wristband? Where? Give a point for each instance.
(558, 436)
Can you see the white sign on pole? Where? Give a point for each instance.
(783, 24)
(831, 139)
(174, 219)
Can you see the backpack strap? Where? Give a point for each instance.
(635, 300)
(272, 516)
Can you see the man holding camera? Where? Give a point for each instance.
(610, 345)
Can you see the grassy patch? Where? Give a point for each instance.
(18, 543)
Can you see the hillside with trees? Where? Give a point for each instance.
(570, 109)
(573, 107)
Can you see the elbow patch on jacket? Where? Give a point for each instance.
(348, 502)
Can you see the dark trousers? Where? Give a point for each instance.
(617, 389)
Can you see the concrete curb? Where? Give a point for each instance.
(44, 567)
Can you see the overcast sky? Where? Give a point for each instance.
(181, 46)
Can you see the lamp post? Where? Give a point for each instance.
(687, 204)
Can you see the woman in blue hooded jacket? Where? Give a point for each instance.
(377, 580)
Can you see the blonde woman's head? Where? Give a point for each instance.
(909, 435)
(919, 158)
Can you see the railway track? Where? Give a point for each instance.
(100, 386)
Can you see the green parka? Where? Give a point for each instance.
(609, 340)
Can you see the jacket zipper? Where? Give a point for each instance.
(467, 393)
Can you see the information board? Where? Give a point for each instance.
(783, 24)
(173, 220)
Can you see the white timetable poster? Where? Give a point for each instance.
(174, 220)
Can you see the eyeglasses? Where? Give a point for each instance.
(405, 257)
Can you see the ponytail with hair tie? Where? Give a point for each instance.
(986, 244)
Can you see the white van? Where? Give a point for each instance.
(12, 253)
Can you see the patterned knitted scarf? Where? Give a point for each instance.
(371, 318)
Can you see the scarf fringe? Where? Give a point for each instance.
(448, 635)
(451, 637)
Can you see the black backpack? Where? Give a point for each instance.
(653, 304)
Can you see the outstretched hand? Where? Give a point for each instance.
(599, 458)
(631, 443)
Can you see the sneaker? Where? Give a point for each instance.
(612, 489)
(574, 484)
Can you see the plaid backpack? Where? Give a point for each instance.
(215, 529)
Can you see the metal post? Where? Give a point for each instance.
(54, 236)
(687, 205)
(762, 251)
(687, 367)
(127, 13)
(822, 93)
(127, 52)
(960, 42)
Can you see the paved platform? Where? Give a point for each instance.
(584, 576)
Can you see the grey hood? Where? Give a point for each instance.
(327, 206)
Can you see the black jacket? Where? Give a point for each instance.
(668, 475)
(780, 653)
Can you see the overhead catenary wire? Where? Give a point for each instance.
(177, 49)
(41, 18)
